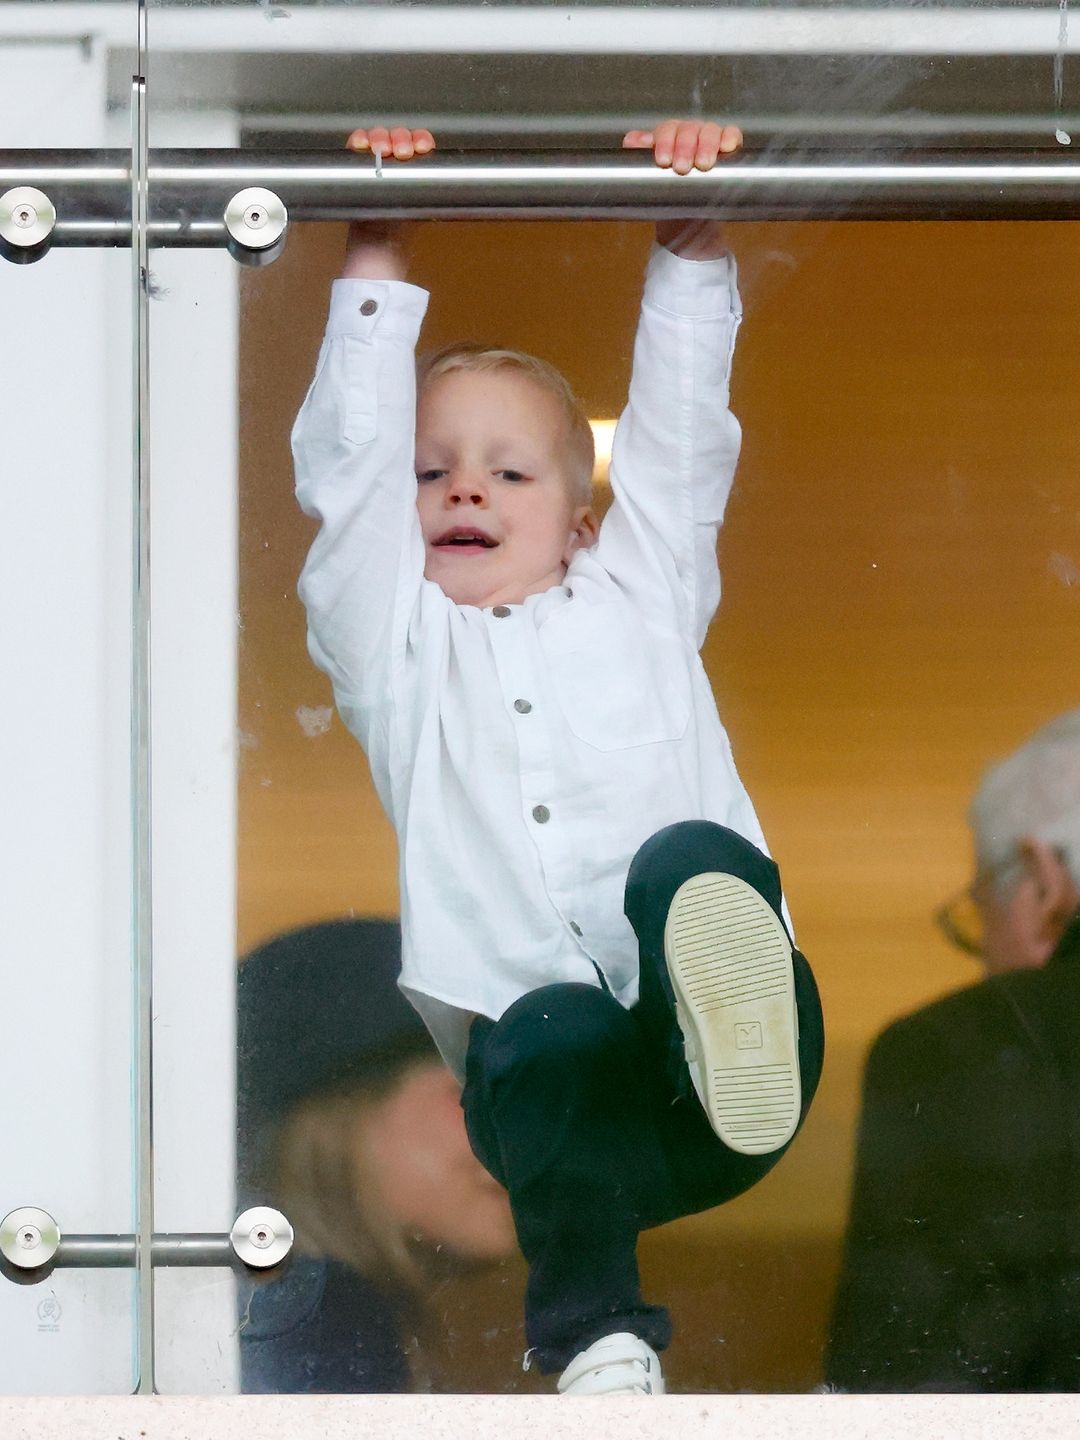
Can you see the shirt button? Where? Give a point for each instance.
(522, 707)
(541, 814)
(501, 611)
(369, 307)
(575, 927)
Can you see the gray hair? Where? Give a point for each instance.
(1034, 791)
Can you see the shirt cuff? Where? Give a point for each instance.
(366, 309)
(696, 289)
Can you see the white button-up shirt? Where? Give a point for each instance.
(525, 752)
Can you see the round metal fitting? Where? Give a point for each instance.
(256, 221)
(261, 1237)
(27, 219)
(29, 1238)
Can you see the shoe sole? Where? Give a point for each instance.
(729, 959)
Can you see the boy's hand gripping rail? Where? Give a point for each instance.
(243, 199)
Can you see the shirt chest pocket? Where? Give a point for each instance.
(618, 680)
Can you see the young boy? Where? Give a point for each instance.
(593, 931)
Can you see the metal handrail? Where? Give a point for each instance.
(189, 190)
(32, 1245)
(117, 1251)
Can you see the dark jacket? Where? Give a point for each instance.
(961, 1269)
(322, 1329)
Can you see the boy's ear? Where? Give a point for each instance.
(586, 529)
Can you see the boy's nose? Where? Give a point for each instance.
(467, 490)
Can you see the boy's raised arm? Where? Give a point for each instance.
(353, 446)
(676, 446)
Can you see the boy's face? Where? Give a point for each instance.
(496, 511)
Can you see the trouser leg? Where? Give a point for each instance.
(560, 1107)
(585, 1112)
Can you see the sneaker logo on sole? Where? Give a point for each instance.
(748, 1036)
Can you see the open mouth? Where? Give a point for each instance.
(461, 538)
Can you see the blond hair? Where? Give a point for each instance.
(324, 1179)
(476, 358)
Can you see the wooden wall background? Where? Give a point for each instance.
(902, 604)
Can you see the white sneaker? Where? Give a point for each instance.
(729, 959)
(614, 1365)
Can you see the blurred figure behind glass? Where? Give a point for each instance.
(962, 1262)
(349, 1122)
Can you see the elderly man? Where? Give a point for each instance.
(962, 1263)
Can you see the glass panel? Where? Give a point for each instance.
(65, 568)
(897, 603)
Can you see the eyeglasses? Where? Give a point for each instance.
(960, 919)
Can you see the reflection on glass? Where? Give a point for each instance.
(899, 557)
(901, 573)
(350, 1123)
(960, 1272)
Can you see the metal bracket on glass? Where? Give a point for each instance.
(256, 222)
(242, 199)
(32, 1245)
(27, 218)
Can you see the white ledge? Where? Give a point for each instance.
(463, 1417)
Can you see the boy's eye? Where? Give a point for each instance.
(510, 475)
(423, 475)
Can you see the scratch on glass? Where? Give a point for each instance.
(1063, 136)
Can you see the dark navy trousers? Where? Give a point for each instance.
(586, 1113)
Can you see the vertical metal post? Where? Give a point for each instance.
(140, 731)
